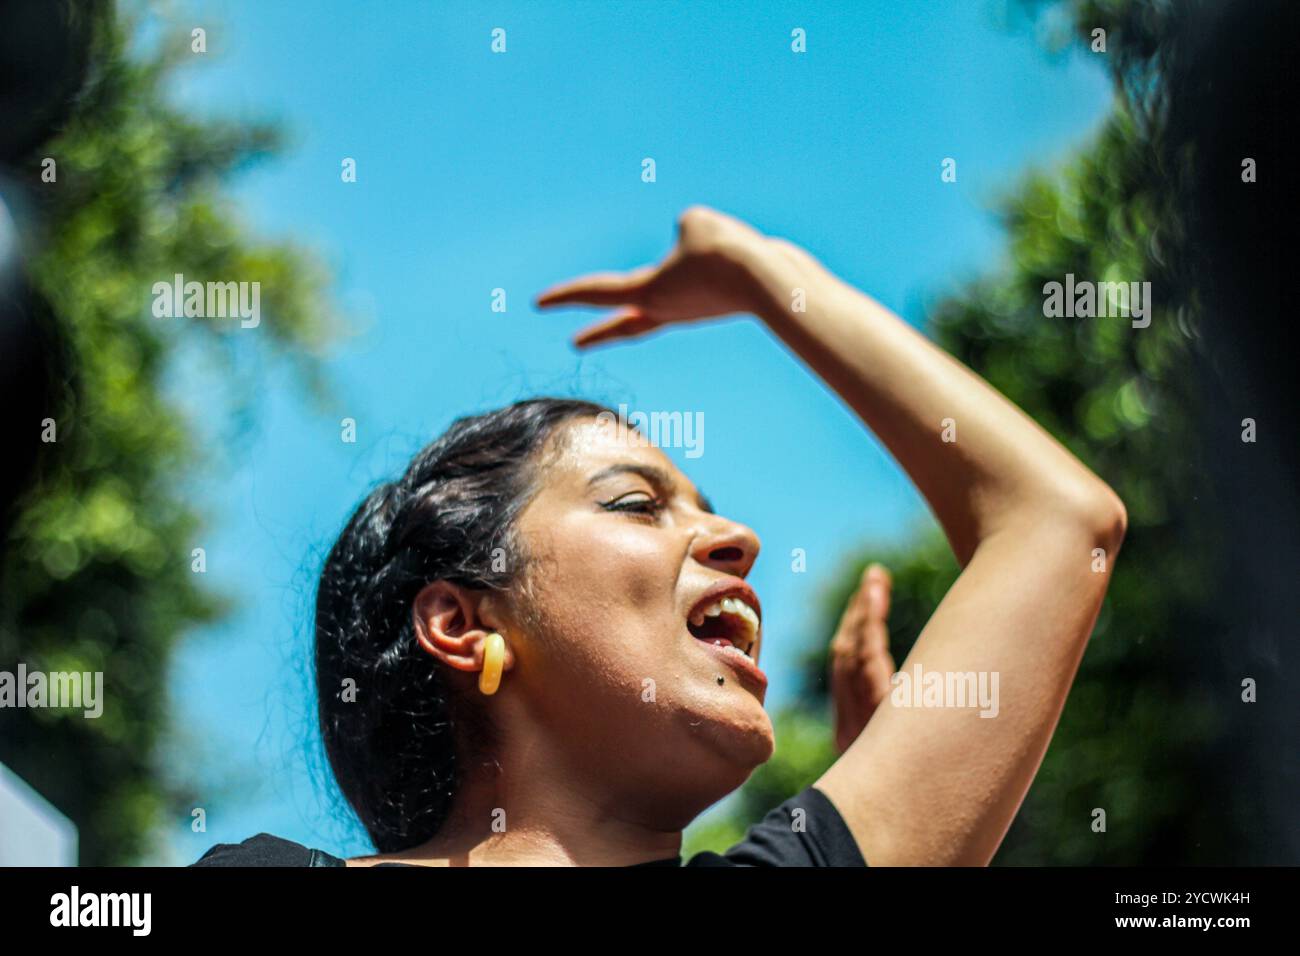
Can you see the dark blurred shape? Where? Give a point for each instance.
(44, 57)
(1231, 94)
(33, 366)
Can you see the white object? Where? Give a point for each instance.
(32, 831)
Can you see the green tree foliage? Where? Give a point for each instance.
(98, 564)
(1140, 722)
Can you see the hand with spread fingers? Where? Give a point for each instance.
(860, 662)
(705, 275)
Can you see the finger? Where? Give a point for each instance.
(848, 636)
(848, 640)
(877, 674)
(846, 676)
(858, 613)
(876, 639)
(599, 288)
(846, 693)
(855, 610)
(880, 585)
(627, 324)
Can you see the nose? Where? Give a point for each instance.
(726, 545)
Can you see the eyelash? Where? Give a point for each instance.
(641, 508)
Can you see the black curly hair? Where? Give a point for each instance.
(397, 743)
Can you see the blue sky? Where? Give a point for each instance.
(478, 170)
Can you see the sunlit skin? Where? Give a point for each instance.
(620, 558)
(591, 772)
(613, 717)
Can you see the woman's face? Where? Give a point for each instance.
(625, 556)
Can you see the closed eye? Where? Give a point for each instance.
(637, 503)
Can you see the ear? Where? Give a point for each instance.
(450, 625)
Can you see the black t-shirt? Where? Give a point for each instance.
(817, 837)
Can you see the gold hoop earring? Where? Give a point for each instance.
(494, 659)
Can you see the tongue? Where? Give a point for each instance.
(715, 640)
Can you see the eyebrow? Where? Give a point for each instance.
(662, 481)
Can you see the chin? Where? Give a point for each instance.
(715, 759)
(762, 742)
(745, 742)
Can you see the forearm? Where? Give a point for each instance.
(996, 469)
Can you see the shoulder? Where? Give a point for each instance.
(266, 849)
(806, 830)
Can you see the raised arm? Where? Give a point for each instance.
(941, 785)
(921, 785)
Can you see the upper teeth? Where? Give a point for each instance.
(737, 607)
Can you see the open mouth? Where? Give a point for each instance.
(728, 622)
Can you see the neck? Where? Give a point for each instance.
(533, 807)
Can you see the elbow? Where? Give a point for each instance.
(1087, 511)
(1103, 517)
